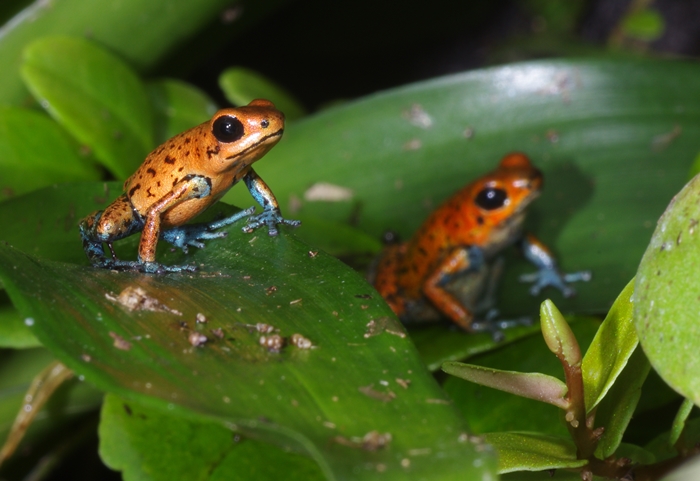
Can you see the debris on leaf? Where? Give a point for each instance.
(197, 339)
(384, 324)
(372, 441)
(263, 328)
(327, 192)
(136, 299)
(218, 332)
(373, 393)
(300, 341)
(120, 342)
(273, 343)
(200, 319)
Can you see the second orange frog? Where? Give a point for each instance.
(462, 238)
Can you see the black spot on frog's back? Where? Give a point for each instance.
(169, 159)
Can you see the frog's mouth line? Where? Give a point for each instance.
(257, 144)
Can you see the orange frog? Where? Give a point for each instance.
(463, 238)
(183, 177)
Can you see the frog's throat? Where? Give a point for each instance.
(257, 144)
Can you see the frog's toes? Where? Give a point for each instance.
(270, 218)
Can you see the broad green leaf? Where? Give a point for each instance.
(489, 410)
(617, 407)
(611, 348)
(14, 332)
(141, 32)
(533, 452)
(442, 343)
(323, 401)
(178, 106)
(665, 295)
(553, 475)
(36, 152)
(95, 96)
(148, 444)
(46, 221)
(337, 238)
(241, 85)
(646, 25)
(604, 132)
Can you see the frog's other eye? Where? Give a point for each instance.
(227, 129)
(264, 123)
(491, 198)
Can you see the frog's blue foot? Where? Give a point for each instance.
(495, 326)
(192, 234)
(551, 277)
(270, 218)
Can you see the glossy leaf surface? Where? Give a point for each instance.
(613, 345)
(148, 444)
(141, 32)
(36, 152)
(666, 298)
(335, 401)
(95, 96)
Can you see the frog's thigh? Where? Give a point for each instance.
(190, 187)
(116, 221)
(456, 261)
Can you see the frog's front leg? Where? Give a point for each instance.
(190, 187)
(192, 234)
(548, 273)
(461, 260)
(271, 215)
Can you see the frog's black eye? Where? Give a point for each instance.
(264, 123)
(491, 198)
(227, 129)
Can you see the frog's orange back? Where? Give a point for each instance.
(487, 213)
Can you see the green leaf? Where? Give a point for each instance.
(46, 221)
(533, 452)
(36, 152)
(96, 96)
(241, 85)
(646, 25)
(617, 407)
(489, 410)
(596, 128)
(141, 32)
(144, 444)
(610, 350)
(438, 344)
(14, 332)
(531, 385)
(680, 420)
(323, 401)
(666, 299)
(178, 106)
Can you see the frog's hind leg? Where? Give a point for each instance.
(106, 226)
(383, 275)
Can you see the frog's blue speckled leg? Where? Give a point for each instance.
(548, 273)
(271, 215)
(191, 235)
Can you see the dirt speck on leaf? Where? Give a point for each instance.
(300, 341)
(197, 339)
(372, 441)
(120, 342)
(135, 299)
(273, 343)
(384, 324)
(379, 395)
